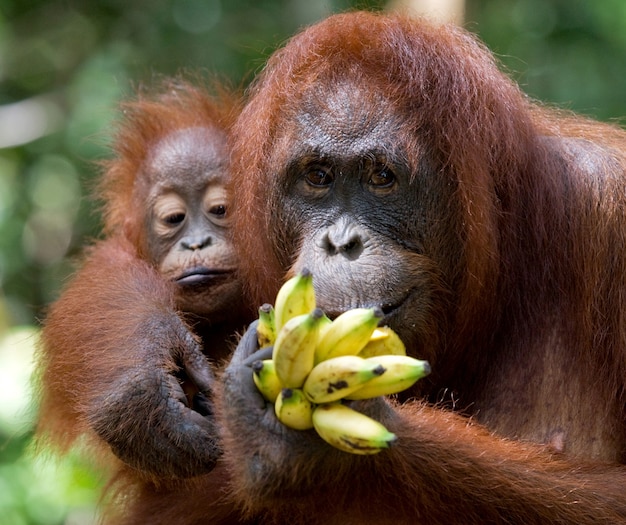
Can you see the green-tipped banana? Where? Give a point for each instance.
(349, 430)
(293, 409)
(294, 349)
(335, 378)
(348, 334)
(295, 297)
(266, 379)
(266, 333)
(401, 372)
(384, 341)
(325, 323)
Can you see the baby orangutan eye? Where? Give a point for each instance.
(174, 219)
(219, 210)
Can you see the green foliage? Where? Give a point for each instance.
(37, 491)
(568, 52)
(65, 65)
(34, 489)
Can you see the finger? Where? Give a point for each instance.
(145, 421)
(178, 411)
(197, 367)
(238, 381)
(203, 421)
(172, 388)
(264, 353)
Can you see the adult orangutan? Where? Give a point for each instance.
(395, 161)
(126, 348)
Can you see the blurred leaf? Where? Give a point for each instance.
(34, 489)
(65, 65)
(17, 347)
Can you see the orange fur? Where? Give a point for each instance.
(533, 345)
(117, 321)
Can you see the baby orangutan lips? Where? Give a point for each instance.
(201, 275)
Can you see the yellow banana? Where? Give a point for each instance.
(348, 334)
(293, 409)
(401, 372)
(295, 297)
(266, 379)
(335, 378)
(384, 341)
(266, 334)
(348, 430)
(380, 333)
(294, 348)
(325, 323)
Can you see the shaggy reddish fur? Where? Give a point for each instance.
(110, 313)
(535, 337)
(146, 120)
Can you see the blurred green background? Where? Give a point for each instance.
(64, 66)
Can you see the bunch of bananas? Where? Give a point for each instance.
(318, 362)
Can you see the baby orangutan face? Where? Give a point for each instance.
(187, 220)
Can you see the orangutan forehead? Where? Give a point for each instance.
(347, 118)
(187, 152)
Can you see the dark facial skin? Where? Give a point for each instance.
(361, 211)
(364, 217)
(187, 221)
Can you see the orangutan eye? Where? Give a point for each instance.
(174, 219)
(170, 211)
(219, 210)
(319, 178)
(382, 179)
